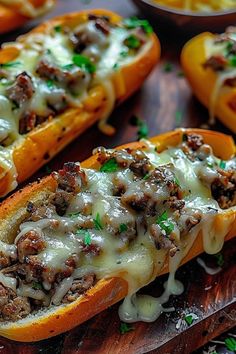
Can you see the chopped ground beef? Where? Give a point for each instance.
(22, 90)
(29, 244)
(79, 287)
(12, 307)
(223, 188)
(216, 63)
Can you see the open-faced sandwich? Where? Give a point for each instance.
(91, 234)
(14, 13)
(209, 63)
(62, 77)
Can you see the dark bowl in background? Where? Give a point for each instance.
(187, 21)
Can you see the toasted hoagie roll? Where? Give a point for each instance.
(62, 77)
(14, 13)
(209, 63)
(86, 237)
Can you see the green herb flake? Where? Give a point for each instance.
(176, 181)
(134, 22)
(188, 319)
(124, 53)
(109, 166)
(86, 235)
(84, 63)
(37, 286)
(97, 222)
(232, 61)
(165, 224)
(230, 344)
(125, 327)
(50, 84)
(219, 259)
(222, 164)
(10, 64)
(57, 28)
(210, 164)
(146, 176)
(142, 127)
(67, 66)
(178, 118)
(132, 42)
(116, 66)
(167, 67)
(123, 228)
(180, 74)
(48, 169)
(74, 215)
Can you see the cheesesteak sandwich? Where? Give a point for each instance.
(14, 13)
(61, 78)
(89, 235)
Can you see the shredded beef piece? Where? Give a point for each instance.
(162, 241)
(79, 287)
(60, 199)
(3, 296)
(29, 244)
(68, 79)
(193, 220)
(27, 122)
(32, 269)
(174, 204)
(71, 178)
(223, 188)
(194, 141)
(91, 249)
(137, 201)
(163, 175)
(41, 212)
(70, 265)
(16, 308)
(5, 261)
(216, 63)
(102, 25)
(230, 82)
(22, 90)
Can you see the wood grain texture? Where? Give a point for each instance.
(163, 97)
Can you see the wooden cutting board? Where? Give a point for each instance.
(165, 102)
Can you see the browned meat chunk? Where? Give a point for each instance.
(32, 269)
(29, 244)
(4, 260)
(223, 189)
(162, 241)
(40, 212)
(79, 287)
(231, 82)
(16, 308)
(61, 200)
(3, 296)
(194, 141)
(22, 90)
(68, 79)
(216, 63)
(71, 178)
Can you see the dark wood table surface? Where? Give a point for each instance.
(165, 102)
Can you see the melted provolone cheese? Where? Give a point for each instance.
(55, 47)
(25, 7)
(139, 261)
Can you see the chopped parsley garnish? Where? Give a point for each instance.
(123, 228)
(132, 42)
(166, 225)
(176, 181)
(178, 117)
(146, 176)
(219, 259)
(109, 166)
(48, 169)
(10, 64)
(134, 22)
(230, 344)
(86, 235)
(97, 222)
(115, 66)
(67, 66)
(74, 215)
(125, 327)
(180, 74)
(222, 164)
(124, 53)
(37, 286)
(232, 61)
(210, 164)
(190, 318)
(143, 128)
(50, 83)
(167, 67)
(57, 28)
(84, 63)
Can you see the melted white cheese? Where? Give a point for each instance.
(138, 262)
